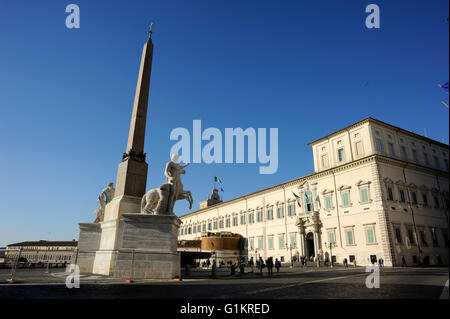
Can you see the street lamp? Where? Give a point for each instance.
(290, 251)
(330, 246)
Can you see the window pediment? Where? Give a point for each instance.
(363, 183)
(400, 182)
(387, 180)
(344, 187)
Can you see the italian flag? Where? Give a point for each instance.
(297, 199)
(217, 179)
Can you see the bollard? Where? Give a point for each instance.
(129, 281)
(213, 270)
(232, 270)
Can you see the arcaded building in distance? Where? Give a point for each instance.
(377, 191)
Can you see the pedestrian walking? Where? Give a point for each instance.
(269, 264)
(345, 262)
(277, 265)
(261, 264)
(381, 262)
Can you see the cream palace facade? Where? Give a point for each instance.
(377, 191)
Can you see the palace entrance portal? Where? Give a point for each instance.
(310, 245)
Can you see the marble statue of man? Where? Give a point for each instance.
(173, 171)
(104, 198)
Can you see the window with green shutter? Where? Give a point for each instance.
(280, 212)
(331, 237)
(364, 195)
(291, 210)
(293, 241)
(328, 202)
(345, 199)
(370, 235)
(349, 237)
(281, 241)
(252, 243)
(270, 242)
(260, 243)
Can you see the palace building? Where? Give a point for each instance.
(377, 191)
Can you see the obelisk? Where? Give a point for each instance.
(131, 174)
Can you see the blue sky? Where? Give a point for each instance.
(66, 94)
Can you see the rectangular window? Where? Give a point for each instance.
(280, 212)
(293, 240)
(411, 238)
(423, 238)
(379, 145)
(398, 235)
(260, 243)
(436, 201)
(235, 221)
(270, 242)
(403, 153)
(242, 219)
(269, 214)
(291, 210)
(227, 222)
(370, 235)
(425, 199)
(391, 149)
(425, 159)
(221, 223)
(414, 197)
(251, 218)
(198, 228)
(259, 216)
(349, 235)
(364, 195)
(331, 237)
(194, 229)
(341, 155)
(345, 199)
(209, 226)
(281, 241)
(252, 243)
(215, 224)
(434, 237)
(359, 148)
(402, 195)
(414, 155)
(436, 162)
(328, 202)
(390, 193)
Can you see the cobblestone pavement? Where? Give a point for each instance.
(307, 282)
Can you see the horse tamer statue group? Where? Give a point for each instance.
(157, 201)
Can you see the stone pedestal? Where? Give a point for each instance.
(88, 244)
(139, 246)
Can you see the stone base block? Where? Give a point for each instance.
(142, 246)
(145, 265)
(88, 244)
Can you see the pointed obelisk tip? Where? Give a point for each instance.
(150, 30)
